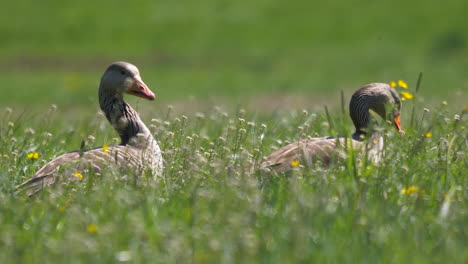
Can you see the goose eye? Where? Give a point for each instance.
(122, 72)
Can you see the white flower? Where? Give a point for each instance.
(123, 256)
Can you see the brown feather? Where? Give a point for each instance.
(308, 152)
(89, 163)
(374, 96)
(138, 150)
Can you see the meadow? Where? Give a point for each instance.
(234, 82)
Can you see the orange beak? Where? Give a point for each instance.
(396, 121)
(140, 89)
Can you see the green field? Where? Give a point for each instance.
(211, 60)
(241, 50)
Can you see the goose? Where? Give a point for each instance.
(138, 149)
(378, 97)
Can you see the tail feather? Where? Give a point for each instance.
(36, 184)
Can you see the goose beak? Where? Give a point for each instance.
(140, 89)
(396, 121)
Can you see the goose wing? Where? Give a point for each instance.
(74, 165)
(307, 152)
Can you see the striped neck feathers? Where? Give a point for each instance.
(373, 97)
(359, 112)
(125, 120)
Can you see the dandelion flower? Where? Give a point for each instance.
(295, 163)
(78, 175)
(407, 95)
(105, 148)
(410, 190)
(446, 196)
(392, 84)
(29, 131)
(123, 256)
(465, 108)
(33, 155)
(402, 84)
(428, 134)
(444, 102)
(92, 228)
(199, 115)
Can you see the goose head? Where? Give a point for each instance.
(387, 105)
(123, 77)
(382, 99)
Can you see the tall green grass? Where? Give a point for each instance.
(209, 207)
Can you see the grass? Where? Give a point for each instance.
(272, 58)
(209, 208)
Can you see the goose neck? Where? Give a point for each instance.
(359, 112)
(126, 121)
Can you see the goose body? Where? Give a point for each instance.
(138, 149)
(379, 97)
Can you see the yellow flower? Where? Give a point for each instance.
(78, 175)
(428, 134)
(295, 163)
(465, 108)
(402, 84)
(392, 84)
(105, 148)
(444, 102)
(407, 95)
(33, 155)
(403, 99)
(447, 197)
(92, 228)
(410, 190)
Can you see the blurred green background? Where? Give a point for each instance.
(266, 54)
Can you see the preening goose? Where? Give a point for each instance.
(138, 149)
(379, 97)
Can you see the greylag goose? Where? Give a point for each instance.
(138, 149)
(378, 97)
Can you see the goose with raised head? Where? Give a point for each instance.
(138, 149)
(378, 97)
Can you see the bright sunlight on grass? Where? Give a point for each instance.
(235, 81)
(209, 207)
